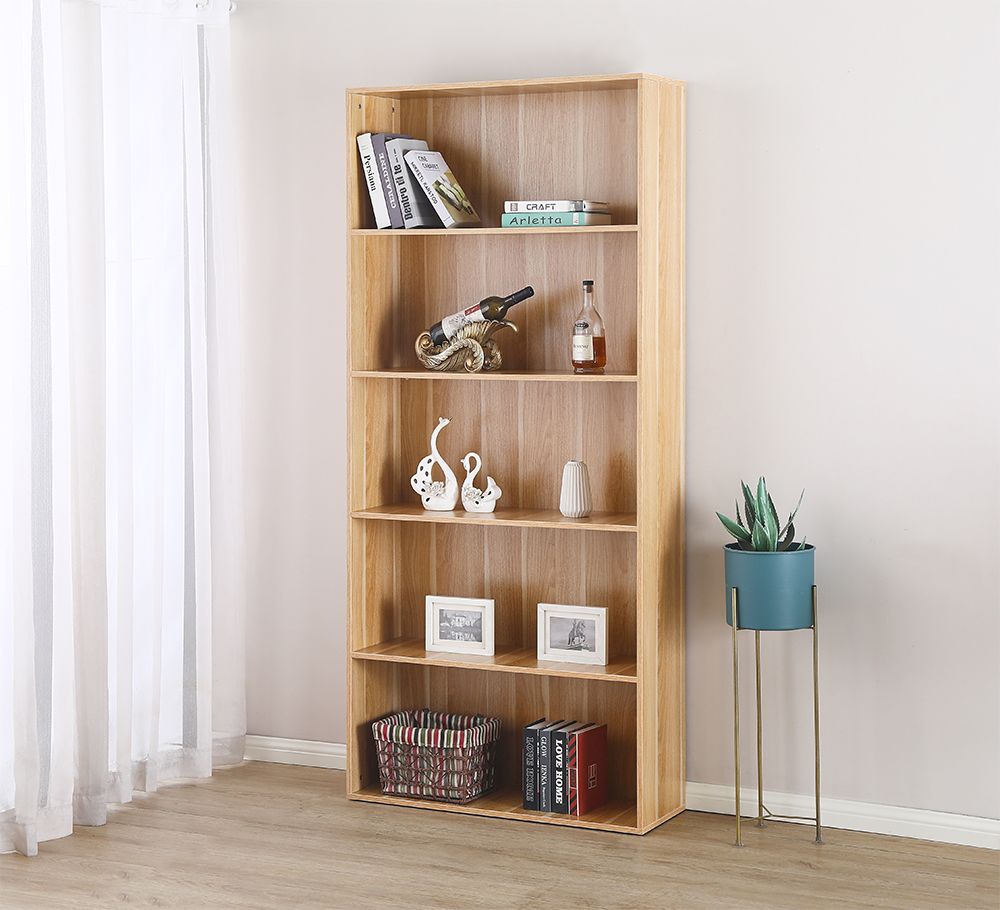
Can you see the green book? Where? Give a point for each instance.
(553, 219)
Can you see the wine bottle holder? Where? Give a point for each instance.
(472, 349)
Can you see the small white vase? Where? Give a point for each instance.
(574, 502)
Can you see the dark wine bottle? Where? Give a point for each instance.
(492, 309)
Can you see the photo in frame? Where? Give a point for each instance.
(573, 634)
(459, 625)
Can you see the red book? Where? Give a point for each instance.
(587, 763)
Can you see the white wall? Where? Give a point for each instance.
(842, 337)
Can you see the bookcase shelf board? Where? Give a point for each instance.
(510, 659)
(504, 516)
(494, 231)
(618, 139)
(616, 815)
(627, 83)
(498, 376)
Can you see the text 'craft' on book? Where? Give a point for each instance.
(553, 219)
(555, 205)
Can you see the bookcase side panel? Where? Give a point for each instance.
(661, 451)
(373, 302)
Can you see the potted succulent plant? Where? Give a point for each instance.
(772, 573)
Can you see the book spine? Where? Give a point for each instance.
(397, 167)
(554, 205)
(384, 172)
(430, 192)
(372, 181)
(530, 778)
(592, 769)
(544, 771)
(572, 775)
(413, 204)
(553, 219)
(560, 803)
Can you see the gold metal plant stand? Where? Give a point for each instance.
(762, 811)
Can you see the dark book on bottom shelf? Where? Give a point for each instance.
(529, 763)
(560, 765)
(545, 765)
(587, 760)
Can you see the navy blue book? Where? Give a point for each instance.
(529, 763)
(545, 766)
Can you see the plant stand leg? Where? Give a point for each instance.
(736, 718)
(760, 752)
(819, 834)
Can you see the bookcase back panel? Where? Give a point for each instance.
(525, 432)
(517, 568)
(380, 689)
(403, 285)
(536, 145)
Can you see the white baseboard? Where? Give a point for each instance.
(835, 813)
(296, 752)
(943, 827)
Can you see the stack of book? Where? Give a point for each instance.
(411, 186)
(554, 213)
(565, 766)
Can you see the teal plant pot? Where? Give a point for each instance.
(774, 590)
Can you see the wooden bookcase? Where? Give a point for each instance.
(619, 139)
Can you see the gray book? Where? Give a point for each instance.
(414, 206)
(384, 169)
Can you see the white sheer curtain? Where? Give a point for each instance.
(121, 526)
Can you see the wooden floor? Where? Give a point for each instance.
(277, 836)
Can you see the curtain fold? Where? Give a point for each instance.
(122, 556)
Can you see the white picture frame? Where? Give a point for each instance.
(459, 625)
(573, 634)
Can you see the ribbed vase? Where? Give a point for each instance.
(574, 502)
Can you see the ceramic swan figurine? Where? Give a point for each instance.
(435, 495)
(473, 499)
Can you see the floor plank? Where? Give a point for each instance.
(267, 836)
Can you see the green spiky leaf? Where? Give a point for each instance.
(738, 531)
(786, 541)
(795, 512)
(766, 517)
(748, 502)
(760, 541)
(739, 520)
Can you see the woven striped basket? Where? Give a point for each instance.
(445, 757)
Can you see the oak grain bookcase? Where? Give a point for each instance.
(618, 139)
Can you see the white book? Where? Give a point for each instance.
(414, 205)
(555, 205)
(379, 206)
(442, 189)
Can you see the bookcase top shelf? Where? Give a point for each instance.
(515, 86)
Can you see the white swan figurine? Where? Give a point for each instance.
(435, 495)
(476, 500)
